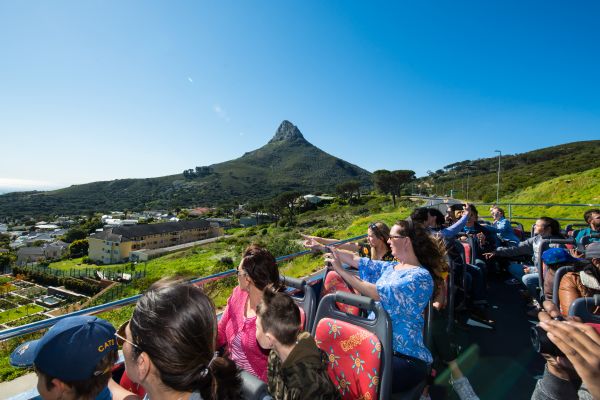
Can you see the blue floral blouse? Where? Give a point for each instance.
(404, 295)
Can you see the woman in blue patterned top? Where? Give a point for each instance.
(404, 287)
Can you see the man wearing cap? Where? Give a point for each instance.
(585, 283)
(73, 360)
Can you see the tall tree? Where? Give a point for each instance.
(392, 182)
(288, 202)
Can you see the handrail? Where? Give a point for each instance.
(39, 325)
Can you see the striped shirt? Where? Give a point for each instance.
(238, 334)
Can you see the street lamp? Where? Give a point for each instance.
(498, 187)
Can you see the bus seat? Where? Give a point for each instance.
(359, 349)
(253, 388)
(582, 308)
(307, 302)
(334, 283)
(558, 275)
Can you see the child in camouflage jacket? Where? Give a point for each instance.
(297, 368)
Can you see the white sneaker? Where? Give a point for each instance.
(463, 389)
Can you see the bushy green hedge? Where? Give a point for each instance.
(47, 279)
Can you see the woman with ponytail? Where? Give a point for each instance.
(169, 346)
(404, 287)
(237, 326)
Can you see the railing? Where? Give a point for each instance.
(113, 305)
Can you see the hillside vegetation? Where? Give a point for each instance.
(518, 171)
(577, 188)
(287, 163)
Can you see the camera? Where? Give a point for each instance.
(541, 343)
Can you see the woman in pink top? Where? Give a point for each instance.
(237, 327)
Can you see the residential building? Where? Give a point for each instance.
(115, 245)
(26, 255)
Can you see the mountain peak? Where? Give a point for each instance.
(287, 132)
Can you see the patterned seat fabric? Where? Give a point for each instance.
(334, 283)
(354, 356)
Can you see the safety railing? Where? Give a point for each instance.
(113, 305)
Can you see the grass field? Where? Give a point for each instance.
(19, 312)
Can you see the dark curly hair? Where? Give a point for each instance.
(429, 249)
(261, 267)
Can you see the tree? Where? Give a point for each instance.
(79, 248)
(288, 203)
(92, 224)
(255, 208)
(347, 189)
(392, 182)
(74, 234)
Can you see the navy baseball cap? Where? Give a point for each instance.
(70, 350)
(558, 255)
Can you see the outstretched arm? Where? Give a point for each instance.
(316, 243)
(365, 288)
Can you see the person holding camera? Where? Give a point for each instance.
(572, 353)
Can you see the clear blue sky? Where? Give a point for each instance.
(98, 90)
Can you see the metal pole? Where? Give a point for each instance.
(498, 186)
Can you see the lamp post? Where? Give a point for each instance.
(498, 187)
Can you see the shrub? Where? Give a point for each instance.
(324, 233)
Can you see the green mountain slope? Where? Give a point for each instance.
(287, 162)
(578, 188)
(518, 171)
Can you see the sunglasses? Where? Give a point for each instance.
(240, 273)
(398, 236)
(376, 231)
(121, 339)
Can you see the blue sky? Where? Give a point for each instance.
(99, 90)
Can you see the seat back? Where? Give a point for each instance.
(587, 239)
(359, 349)
(253, 388)
(582, 308)
(558, 275)
(518, 229)
(334, 283)
(467, 247)
(305, 297)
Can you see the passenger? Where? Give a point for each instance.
(297, 367)
(404, 287)
(592, 218)
(169, 346)
(576, 375)
(486, 239)
(502, 228)
(545, 228)
(554, 259)
(585, 283)
(378, 234)
(73, 360)
(237, 327)
(433, 219)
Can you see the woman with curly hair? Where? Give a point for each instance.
(404, 287)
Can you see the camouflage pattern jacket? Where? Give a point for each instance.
(303, 375)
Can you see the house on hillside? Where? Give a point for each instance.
(48, 251)
(116, 244)
(55, 250)
(26, 255)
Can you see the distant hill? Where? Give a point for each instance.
(518, 171)
(577, 188)
(287, 162)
